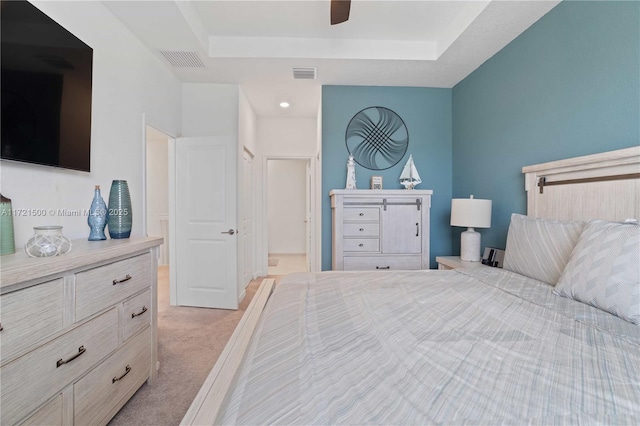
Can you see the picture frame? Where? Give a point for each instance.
(376, 182)
(493, 257)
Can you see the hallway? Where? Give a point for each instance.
(287, 263)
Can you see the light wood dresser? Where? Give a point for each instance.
(380, 229)
(78, 332)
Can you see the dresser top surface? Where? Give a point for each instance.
(381, 192)
(19, 267)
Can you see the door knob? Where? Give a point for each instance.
(230, 232)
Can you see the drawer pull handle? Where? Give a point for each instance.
(383, 267)
(144, 309)
(361, 229)
(126, 371)
(360, 245)
(127, 278)
(417, 229)
(1, 327)
(361, 214)
(61, 361)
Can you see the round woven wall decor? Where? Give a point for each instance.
(377, 138)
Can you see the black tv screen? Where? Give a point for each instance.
(46, 90)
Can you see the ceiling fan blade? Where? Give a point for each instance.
(340, 11)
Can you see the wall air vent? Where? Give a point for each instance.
(306, 73)
(182, 59)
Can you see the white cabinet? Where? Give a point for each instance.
(78, 333)
(380, 229)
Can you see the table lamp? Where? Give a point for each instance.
(472, 213)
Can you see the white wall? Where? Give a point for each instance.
(248, 125)
(286, 197)
(286, 136)
(129, 82)
(210, 109)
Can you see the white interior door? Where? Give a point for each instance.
(205, 217)
(307, 220)
(246, 222)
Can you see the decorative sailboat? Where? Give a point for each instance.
(410, 177)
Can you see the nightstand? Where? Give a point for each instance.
(453, 262)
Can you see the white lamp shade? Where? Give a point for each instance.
(471, 212)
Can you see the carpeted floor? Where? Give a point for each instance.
(288, 263)
(189, 342)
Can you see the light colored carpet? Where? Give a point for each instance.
(189, 342)
(288, 263)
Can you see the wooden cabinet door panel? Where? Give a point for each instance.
(402, 230)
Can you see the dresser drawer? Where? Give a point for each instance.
(102, 287)
(361, 213)
(137, 314)
(365, 263)
(361, 229)
(31, 379)
(361, 244)
(99, 394)
(28, 316)
(50, 414)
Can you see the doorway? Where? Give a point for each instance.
(156, 201)
(288, 215)
(157, 189)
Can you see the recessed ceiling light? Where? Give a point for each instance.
(284, 104)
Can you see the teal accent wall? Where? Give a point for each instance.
(427, 115)
(568, 86)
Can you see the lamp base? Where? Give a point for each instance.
(470, 245)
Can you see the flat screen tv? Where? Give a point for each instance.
(46, 90)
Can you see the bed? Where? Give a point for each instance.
(553, 338)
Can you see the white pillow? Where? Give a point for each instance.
(604, 269)
(540, 248)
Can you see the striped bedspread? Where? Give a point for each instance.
(477, 346)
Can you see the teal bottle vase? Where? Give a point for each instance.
(7, 240)
(119, 211)
(98, 216)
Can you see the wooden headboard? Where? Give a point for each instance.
(600, 186)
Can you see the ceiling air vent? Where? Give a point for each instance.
(307, 73)
(182, 59)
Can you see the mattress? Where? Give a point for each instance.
(466, 346)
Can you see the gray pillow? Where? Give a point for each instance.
(604, 269)
(540, 248)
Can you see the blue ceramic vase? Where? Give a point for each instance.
(98, 216)
(120, 214)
